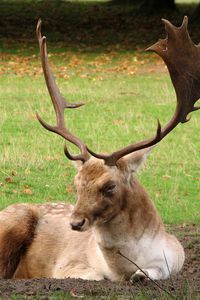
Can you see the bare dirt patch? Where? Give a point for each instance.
(185, 285)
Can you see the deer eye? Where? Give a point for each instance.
(108, 189)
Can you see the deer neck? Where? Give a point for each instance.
(136, 218)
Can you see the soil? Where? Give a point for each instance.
(185, 285)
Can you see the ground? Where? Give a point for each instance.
(185, 285)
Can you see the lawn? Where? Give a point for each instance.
(124, 93)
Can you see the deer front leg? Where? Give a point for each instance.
(152, 273)
(78, 272)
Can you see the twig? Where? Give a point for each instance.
(170, 276)
(160, 287)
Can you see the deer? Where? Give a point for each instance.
(113, 213)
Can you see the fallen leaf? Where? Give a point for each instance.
(8, 179)
(158, 194)
(51, 158)
(69, 189)
(14, 173)
(27, 191)
(166, 176)
(118, 122)
(74, 294)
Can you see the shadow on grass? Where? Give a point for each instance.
(90, 26)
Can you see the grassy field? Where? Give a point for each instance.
(125, 91)
(121, 107)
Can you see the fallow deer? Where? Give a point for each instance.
(113, 213)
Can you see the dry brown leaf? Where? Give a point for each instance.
(9, 179)
(69, 189)
(27, 191)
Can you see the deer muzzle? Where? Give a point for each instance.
(79, 225)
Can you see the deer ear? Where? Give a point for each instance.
(135, 160)
(77, 164)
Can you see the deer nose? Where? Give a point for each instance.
(77, 225)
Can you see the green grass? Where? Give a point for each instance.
(120, 108)
(125, 91)
(54, 296)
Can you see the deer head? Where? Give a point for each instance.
(103, 181)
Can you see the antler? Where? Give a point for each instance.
(59, 103)
(182, 58)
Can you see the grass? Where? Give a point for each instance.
(125, 91)
(184, 294)
(54, 296)
(120, 108)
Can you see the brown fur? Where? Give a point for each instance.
(115, 214)
(17, 232)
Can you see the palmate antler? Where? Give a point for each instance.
(182, 58)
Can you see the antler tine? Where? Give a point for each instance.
(112, 159)
(182, 58)
(59, 103)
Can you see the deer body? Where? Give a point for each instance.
(128, 223)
